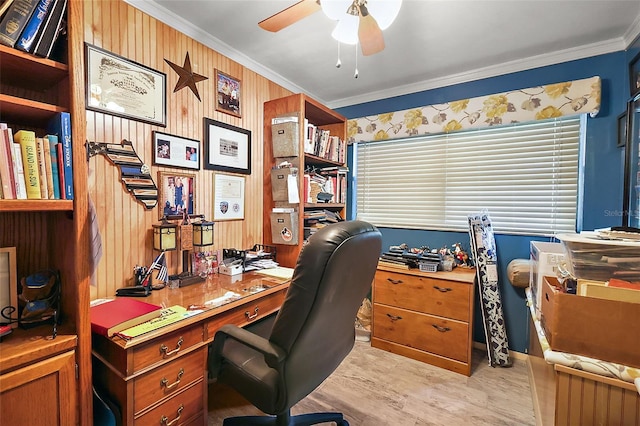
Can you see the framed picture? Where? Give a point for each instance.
(177, 194)
(634, 75)
(227, 148)
(228, 197)
(622, 129)
(228, 92)
(121, 87)
(176, 151)
(8, 282)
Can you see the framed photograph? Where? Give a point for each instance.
(228, 197)
(177, 194)
(228, 92)
(227, 148)
(622, 129)
(121, 87)
(8, 283)
(176, 151)
(634, 75)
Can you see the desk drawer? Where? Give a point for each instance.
(168, 379)
(166, 347)
(180, 409)
(247, 312)
(444, 298)
(442, 336)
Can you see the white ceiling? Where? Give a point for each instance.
(431, 44)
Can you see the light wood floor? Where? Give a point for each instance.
(376, 388)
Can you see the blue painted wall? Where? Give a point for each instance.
(603, 171)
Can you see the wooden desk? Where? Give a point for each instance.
(160, 377)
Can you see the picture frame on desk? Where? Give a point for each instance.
(177, 194)
(176, 151)
(227, 148)
(124, 88)
(228, 94)
(8, 284)
(228, 197)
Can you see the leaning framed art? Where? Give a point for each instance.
(227, 148)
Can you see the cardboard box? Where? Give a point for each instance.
(279, 183)
(601, 290)
(284, 228)
(285, 139)
(608, 330)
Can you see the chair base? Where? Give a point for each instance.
(286, 420)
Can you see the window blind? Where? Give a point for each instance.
(525, 175)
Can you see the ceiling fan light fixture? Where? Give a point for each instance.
(335, 9)
(346, 31)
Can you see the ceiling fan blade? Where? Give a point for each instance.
(290, 15)
(370, 36)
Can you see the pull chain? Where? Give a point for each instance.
(356, 73)
(339, 63)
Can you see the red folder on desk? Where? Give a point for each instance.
(119, 314)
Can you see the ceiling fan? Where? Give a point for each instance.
(364, 26)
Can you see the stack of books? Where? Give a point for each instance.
(37, 167)
(32, 26)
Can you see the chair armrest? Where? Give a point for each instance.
(273, 354)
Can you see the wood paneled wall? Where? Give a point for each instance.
(125, 225)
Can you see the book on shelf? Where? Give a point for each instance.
(7, 177)
(5, 6)
(15, 20)
(119, 314)
(18, 167)
(53, 26)
(35, 22)
(47, 166)
(42, 169)
(27, 141)
(53, 154)
(60, 151)
(60, 125)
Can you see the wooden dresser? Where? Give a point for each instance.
(426, 316)
(160, 378)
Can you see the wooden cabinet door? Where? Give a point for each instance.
(43, 393)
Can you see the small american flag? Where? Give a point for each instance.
(160, 264)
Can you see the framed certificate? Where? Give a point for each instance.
(118, 86)
(228, 197)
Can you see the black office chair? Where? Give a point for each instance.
(312, 333)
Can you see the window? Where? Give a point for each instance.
(525, 175)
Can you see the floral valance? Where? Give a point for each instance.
(535, 103)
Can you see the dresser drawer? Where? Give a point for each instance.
(247, 312)
(442, 336)
(167, 347)
(168, 379)
(448, 299)
(180, 409)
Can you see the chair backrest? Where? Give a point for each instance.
(316, 324)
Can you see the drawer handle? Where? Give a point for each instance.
(165, 421)
(165, 350)
(442, 289)
(164, 382)
(394, 317)
(394, 282)
(440, 328)
(251, 317)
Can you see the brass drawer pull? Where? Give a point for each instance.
(251, 317)
(165, 350)
(394, 282)
(442, 289)
(165, 421)
(394, 317)
(164, 381)
(440, 328)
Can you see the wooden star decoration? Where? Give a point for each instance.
(187, 78)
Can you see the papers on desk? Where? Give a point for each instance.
(229, 296)
(167, 316)
(279, 272)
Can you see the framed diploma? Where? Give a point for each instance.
(228, 197)
(118, 86)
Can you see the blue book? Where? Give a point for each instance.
(31, 30)
(60, 125)
(53, 141)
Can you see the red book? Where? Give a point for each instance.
(119, 314)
